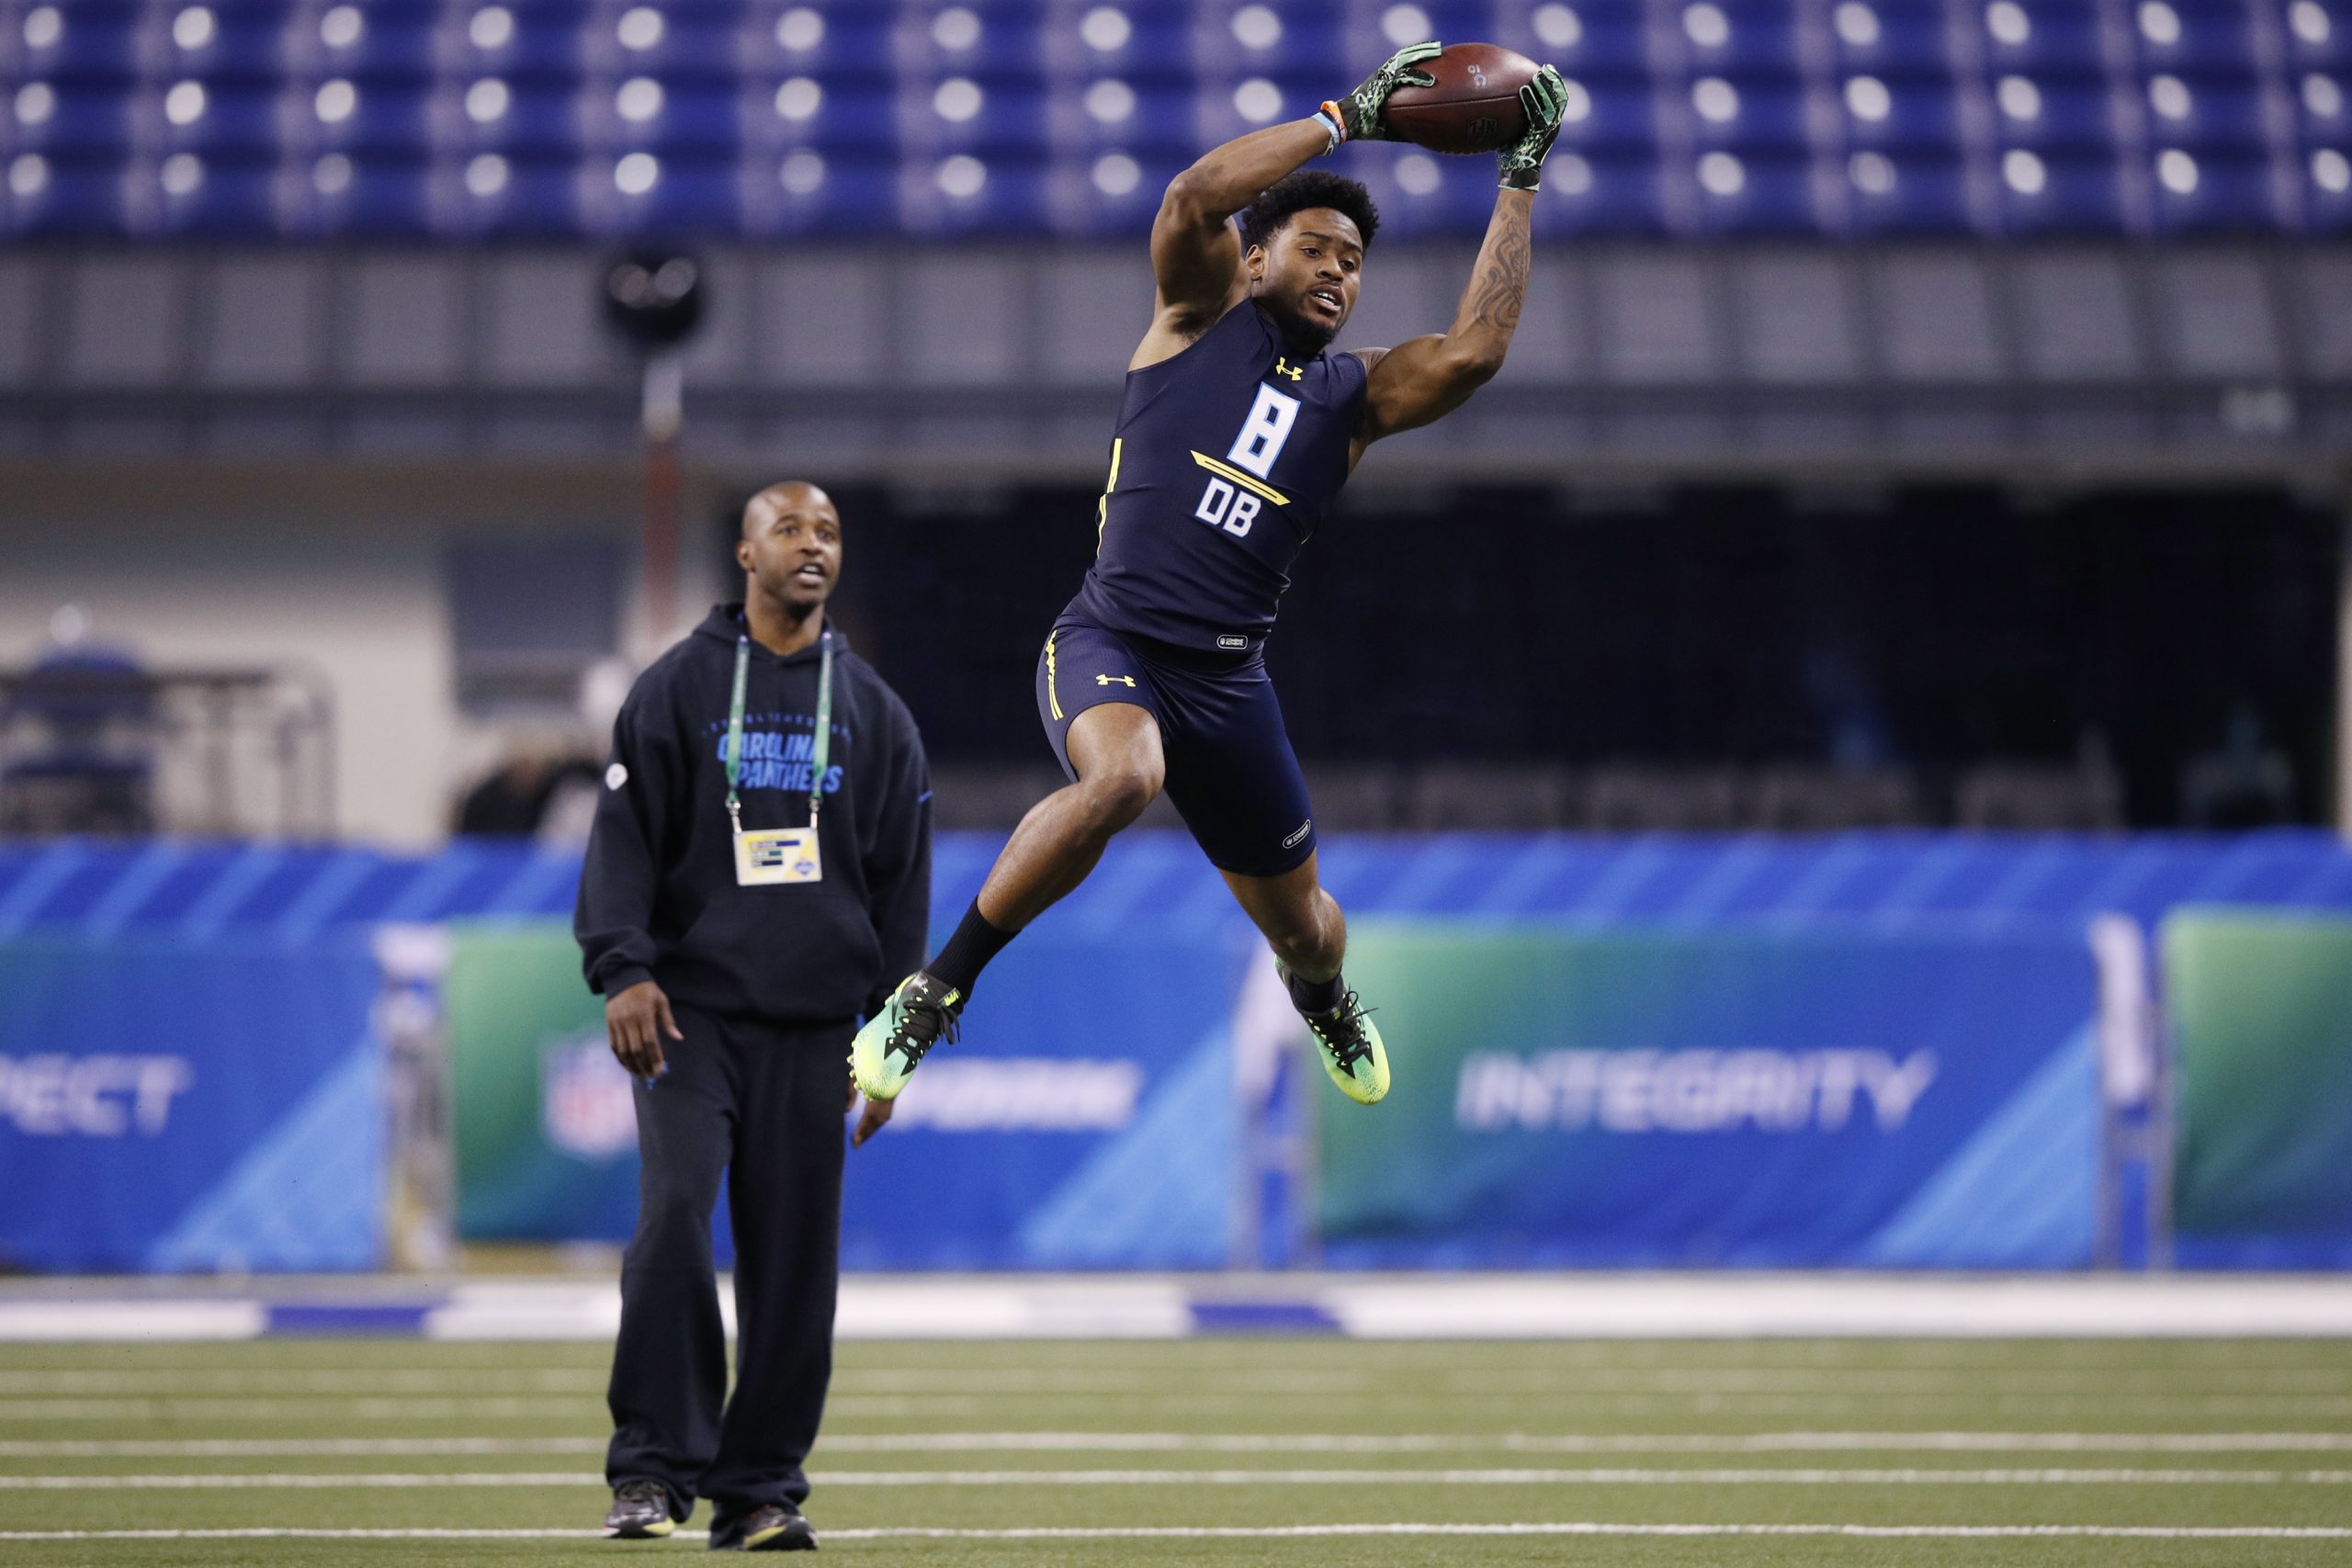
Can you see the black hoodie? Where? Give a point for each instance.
(658, 896)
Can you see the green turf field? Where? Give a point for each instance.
(1881, 1453)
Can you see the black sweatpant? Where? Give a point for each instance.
(764, 1104)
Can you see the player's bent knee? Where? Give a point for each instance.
(1116, 796)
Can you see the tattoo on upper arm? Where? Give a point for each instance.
(1501, 285)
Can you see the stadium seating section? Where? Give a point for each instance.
(460, 119)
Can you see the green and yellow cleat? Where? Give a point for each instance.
(1349, 1044)
(918, 1015)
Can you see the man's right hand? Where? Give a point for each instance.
(635, 1020)
(1366, 108)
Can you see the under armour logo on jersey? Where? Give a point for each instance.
(1283, 367)
(1126, 681)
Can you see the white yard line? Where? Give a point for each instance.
(1479, 1307)
(422, 1479)
(398, 1407)
(1246, 1442)
(1656, 1381)
(1274, 1532)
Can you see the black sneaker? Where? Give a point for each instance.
(641, 1512)
(918, 1015)
(773, 1526)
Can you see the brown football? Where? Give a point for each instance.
(1474, 106)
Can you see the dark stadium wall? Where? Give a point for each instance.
(1931, 628)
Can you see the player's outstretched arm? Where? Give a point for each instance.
(1195, 255)
(1429, 377)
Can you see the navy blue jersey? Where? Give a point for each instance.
(1226, 459)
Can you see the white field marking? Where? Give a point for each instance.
(274, 1448)
(1654, 1381)
(262, 1380)
(1243, 1442)
(400, 1408)
(1594, 1442)
(64, 1319)
(1269, 1532)
(395, 1407)
(1595, 1477)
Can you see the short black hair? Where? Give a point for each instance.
(1263, 218)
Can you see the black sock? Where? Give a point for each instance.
(968, 951)
(1313, 995)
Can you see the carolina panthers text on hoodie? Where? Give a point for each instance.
(658, 896)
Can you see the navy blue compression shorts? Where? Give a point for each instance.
(1231, 773)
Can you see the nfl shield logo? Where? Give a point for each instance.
(584, 1102)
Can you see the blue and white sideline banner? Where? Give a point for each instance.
(180, 1104)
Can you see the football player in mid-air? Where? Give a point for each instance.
(1238, 429)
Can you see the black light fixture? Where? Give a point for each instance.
(655, 298)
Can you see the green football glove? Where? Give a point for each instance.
(1542, 100)
(1363, 112)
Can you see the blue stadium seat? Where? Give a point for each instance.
(806, 192)
(1140, 42)
(2057, 194)
(2052, 115)
(963, 115)
(2043, 37)
(1589, 38)
(852, 117)
(1239, 38)
(529, 199)
(1610, 115)
(638, 37)
(356, 196)
(1423, 193)
(228, 197)
(1888, 35)
(1113, 195)
(218, 41)
(1770, 194)
(2324, 176)
(1903, 193)
(677, 119)
(192, 117)
(376, 118)
(489, 113)
(1228, 106)
(69, 41)
(1738, 36)
(2213, 192)
(849, 42)
(990, 40)
(63, 196)
(1600, 196)
(2192, 35)
(74, 119)
(1762, 115)
(1908, 113)
(692, 198)
(2322, 111)
(1087, 117)
(2198, 112)
(514, 40)
(386, 43)
(964, 195)
(2318, 32)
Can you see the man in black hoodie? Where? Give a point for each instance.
(760, 869)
